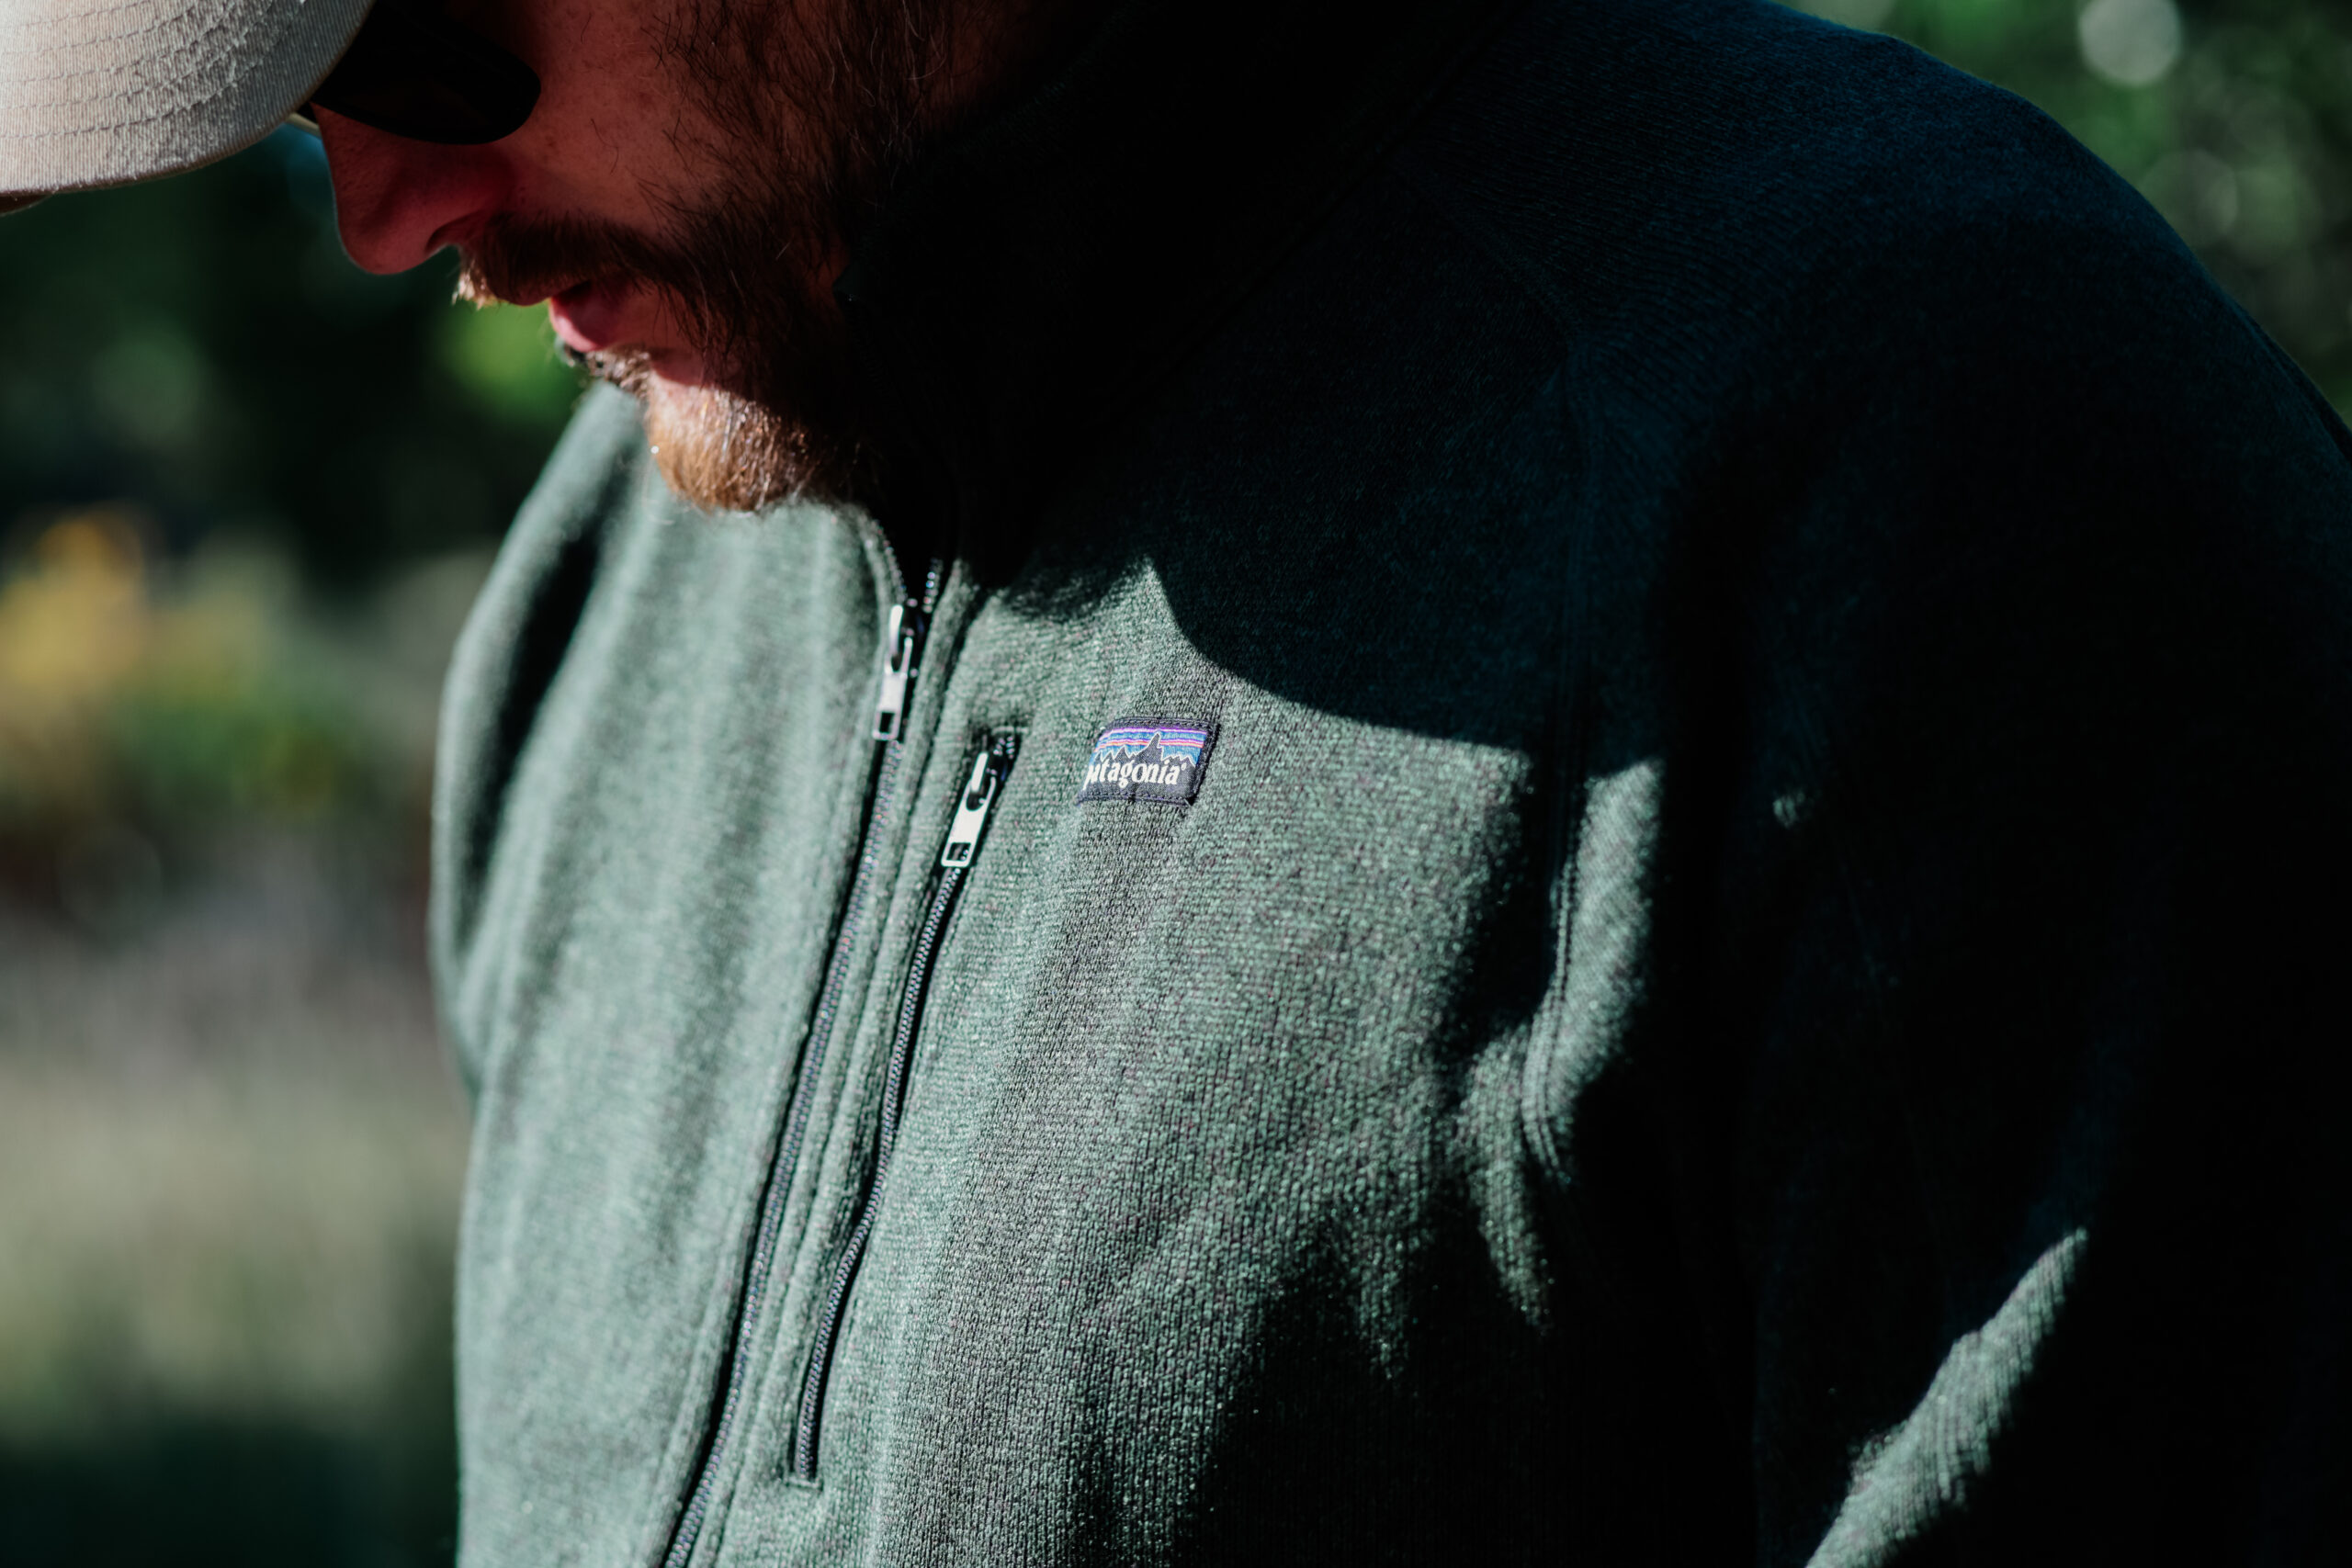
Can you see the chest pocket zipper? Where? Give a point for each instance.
(989, 770)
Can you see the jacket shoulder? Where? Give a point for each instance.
(514, 641)
(1708, 167)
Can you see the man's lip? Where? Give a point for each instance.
(586, 316)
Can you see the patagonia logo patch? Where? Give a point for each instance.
(1148, 759)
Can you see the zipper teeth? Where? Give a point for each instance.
(828, 1002)
(999, 756)
(779, 1183)
(894, 1093)
(778, 1191)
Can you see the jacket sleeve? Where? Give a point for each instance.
(513, 644)
(2040, 1193)
(1973, 939)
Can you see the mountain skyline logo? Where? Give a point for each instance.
(1148, 759)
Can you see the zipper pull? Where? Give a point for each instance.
(989, 769)
(901, 641)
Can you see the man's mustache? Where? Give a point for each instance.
(517, 262)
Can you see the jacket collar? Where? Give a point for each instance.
(1036, 276)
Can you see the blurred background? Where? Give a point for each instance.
(246, 493)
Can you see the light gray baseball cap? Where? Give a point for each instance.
(105, 92)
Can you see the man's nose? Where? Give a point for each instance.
(397, 202)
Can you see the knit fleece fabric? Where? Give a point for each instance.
(1752, 972)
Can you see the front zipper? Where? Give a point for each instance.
(981, 789)
(901, 648)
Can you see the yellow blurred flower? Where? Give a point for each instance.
(121, 685)
(75, 624)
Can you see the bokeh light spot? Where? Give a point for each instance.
(2134, 44)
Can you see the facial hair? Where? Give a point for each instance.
(809, 112)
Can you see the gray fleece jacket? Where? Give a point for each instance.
(1615, 834)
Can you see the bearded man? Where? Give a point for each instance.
(1423, 781)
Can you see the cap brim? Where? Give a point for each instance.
(105, 92)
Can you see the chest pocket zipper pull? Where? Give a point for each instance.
(901, 642)
(972, 811)
(972, 808)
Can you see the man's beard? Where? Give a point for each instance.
(782, 423)
(812, 117)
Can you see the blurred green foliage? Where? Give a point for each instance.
(200, 348)
(118, 700)
(152, 707)
(245, 494)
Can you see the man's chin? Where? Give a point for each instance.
(724, 452)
